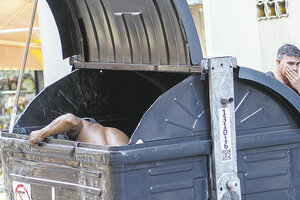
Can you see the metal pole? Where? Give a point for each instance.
(15, 110)
(226, 184)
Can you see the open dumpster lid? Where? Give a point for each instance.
(117, 34)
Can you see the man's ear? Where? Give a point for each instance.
(278, 62)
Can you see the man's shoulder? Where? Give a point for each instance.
(88, 126)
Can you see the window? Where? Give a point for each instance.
(268, 9)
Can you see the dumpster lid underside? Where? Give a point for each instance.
(151, 35)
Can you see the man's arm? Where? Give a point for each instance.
(66, 123)
(294, 79)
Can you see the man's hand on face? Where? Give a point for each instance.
(35, 137)
(294, 79)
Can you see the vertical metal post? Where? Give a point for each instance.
(15, 108)
(226, 184)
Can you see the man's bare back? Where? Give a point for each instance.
(80, 130)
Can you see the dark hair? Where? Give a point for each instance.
(288, 50)
(89, 119)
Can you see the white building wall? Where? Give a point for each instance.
(53, 65)
(232, 28)
(276, 32)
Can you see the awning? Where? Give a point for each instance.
(14, 22)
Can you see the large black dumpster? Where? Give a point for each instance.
(138, 70)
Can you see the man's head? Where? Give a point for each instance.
(288, 57)
(90, 120)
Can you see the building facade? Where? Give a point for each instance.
(250, 30)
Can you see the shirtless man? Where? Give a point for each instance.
(80, 130)
(287, 67)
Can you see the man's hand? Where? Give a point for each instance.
(294, 79)
(35, 137)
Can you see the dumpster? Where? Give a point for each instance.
(138, 67)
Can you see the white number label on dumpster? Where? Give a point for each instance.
(225, 134)
(22, 191)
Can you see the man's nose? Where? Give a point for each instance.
(295, 67)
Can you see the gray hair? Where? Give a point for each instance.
(288, 50)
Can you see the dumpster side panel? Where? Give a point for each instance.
(50, 174)
(266, 170)
(168, 170)
(185, 178)
(269, 172)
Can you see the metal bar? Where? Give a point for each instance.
(14, 112)
(94, 190)
(136, 67)
(226, 184)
